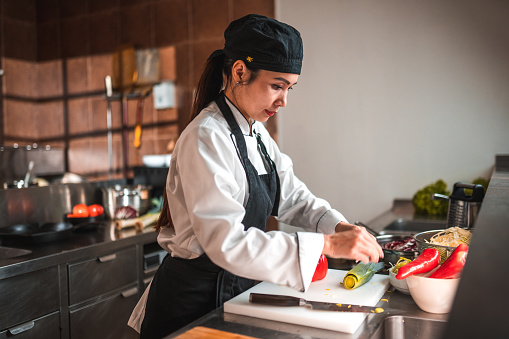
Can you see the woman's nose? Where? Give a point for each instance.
(282, 100)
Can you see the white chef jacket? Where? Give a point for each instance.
(207, 190)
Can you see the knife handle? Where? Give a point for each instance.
(273, 299)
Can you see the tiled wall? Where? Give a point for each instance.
(43, 39)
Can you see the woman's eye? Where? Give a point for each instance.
(277, 87)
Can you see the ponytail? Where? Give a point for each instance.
(209, 85)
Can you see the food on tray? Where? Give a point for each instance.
(452, 237)
(361, 274)
(408, 244)
(425, 262)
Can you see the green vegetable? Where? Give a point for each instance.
(361, 274)
(423, 203)
(401, 262)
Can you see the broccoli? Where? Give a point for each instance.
(425, 205)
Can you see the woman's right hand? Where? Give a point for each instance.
(352, 242)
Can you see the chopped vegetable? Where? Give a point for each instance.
(451, 237)
(321, 269)
(401, 262)
(409, 244)
(361, 274)
(425, 262)
(453, 266)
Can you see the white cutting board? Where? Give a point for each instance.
(329, 289)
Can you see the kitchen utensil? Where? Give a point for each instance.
(463, 207)
(286, 300)
(33, 233)
(423, 239)
(28, 175)
(327, 290)
(109, 92)
(369, 229)
(118, 196)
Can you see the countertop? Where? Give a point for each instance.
(81, 243)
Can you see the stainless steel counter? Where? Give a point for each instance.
(94, 242)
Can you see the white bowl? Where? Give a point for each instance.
(432, 295)
(400, 285)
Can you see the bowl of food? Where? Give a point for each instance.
(445, 241)
(396, 247)
(431, 294)
(400, 285)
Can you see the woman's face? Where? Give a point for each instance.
(261, 98)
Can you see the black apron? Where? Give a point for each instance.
(185, 289)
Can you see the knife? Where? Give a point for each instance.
(286, 300)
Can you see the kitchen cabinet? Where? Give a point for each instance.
(102, 294)
(30, 303)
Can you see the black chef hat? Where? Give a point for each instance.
(263, 43)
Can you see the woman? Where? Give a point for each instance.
(227, 176)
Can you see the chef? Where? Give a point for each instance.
(227, 176)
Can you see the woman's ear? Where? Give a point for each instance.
(239, 71)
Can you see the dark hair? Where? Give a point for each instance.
(217, 70)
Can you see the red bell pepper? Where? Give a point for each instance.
(425, 262)
(453, 265)
(321, 268)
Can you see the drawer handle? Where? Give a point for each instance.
(21, 328)
(107, 258)
(130, 292)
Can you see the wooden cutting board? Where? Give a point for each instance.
(329, 289)
(200, 332)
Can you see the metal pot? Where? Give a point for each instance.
(137, 197)
(391, 257)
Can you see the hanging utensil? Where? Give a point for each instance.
(28, 175)
(137, 128)
(109, 93)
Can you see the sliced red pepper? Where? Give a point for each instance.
(321, 268)
(425, 262)
(453, 265)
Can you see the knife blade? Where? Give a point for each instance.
(286, 300)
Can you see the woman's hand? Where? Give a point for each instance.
(352, 242)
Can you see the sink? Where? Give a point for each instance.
(9, 252)
(415, 225)
(400, 327)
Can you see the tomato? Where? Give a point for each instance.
(95, 210)
(321, 269)
(80, 211)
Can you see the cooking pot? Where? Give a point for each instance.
(118, 198)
